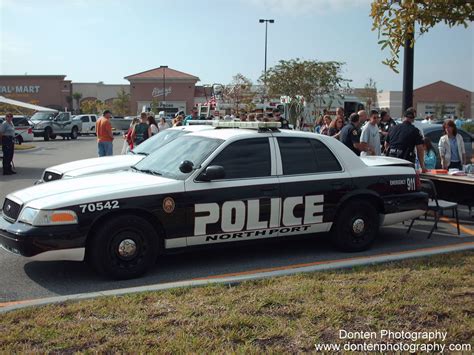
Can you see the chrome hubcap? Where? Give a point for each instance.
(127, 248)
(358, 226)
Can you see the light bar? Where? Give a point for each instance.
(199, 122)
(240, 124)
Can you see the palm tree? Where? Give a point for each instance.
(77, 96)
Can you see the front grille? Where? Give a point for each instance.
(50, 176)
(11, 210)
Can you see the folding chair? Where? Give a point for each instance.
(436, 206)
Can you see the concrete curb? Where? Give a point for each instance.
(330, 265)
(35, 149)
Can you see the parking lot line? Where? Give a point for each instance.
(461, 227)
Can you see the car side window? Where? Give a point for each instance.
(306, 156)
(435, 136)
(85, 119)
(465, 137)
(247, 158)
(93, 118)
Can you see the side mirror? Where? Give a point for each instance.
(213, 172)
(186, 166)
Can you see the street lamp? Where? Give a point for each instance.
(266, 30)
(164, 67)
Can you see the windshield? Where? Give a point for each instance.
(157, 141)
(167, 160)
(42, 116)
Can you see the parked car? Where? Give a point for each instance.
(210, 187)
(102, 165)
(435, 132)
(88, 122)
(23, 129)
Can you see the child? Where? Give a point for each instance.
(430, 154)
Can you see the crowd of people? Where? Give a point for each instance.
(378, 134)
(374, 133)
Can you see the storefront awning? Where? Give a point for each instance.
(5, 100)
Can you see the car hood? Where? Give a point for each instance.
(384, 161)
(96, 165)
(102, 187)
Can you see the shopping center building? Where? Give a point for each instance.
(440, 99)
(46, 90)
(171, 90)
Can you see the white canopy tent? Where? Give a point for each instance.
(5, 100)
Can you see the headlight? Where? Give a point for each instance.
(47, 218)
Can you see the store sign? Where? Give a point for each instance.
(157, 92)
(20, 89)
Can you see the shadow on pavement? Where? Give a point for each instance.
(64, 278)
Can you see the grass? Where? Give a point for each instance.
(286, 314)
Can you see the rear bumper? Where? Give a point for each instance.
(42, 243)
(399, 208)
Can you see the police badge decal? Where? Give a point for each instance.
(168, 205)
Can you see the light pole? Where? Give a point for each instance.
(164, 86)
(266, 31)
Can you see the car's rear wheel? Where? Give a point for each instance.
(18, 139)
(124, 247)
(356, 226)
(74, 133)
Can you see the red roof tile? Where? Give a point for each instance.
(157, 73)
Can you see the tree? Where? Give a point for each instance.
(395, 20)
(121, 105)
(369, 93)
(93, 106)
(77, 96)
(238, 93)
(307, 81)
(461, 109)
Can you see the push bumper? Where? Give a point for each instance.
(42, 243)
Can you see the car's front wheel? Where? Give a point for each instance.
(124, 247)
(356, 226)
(47, 134)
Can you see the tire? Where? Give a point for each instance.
(356, 226)
(53, 136)
(47, 134)
(129, 231)
(18, 140)
(74, 133)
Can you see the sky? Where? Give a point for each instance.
(106, 40)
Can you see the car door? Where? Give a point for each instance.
(468, 144)
(312, 183)
(85, 124)
(244, 204)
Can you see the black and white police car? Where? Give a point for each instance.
(212, 186)
(100, 165)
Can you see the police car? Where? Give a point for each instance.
(118, 162)
(209, 187)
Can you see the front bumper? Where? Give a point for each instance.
(57, 242)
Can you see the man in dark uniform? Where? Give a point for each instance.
(403, 138)
(279, 118)
(7, 136)
(386, 122)
(350, 136)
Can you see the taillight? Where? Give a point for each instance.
(30, 130)
(417, 181)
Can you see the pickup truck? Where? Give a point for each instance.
(49, 125)
(88, 122)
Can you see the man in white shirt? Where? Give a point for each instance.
(370, 135)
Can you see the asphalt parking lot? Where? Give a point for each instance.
(22, 279)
